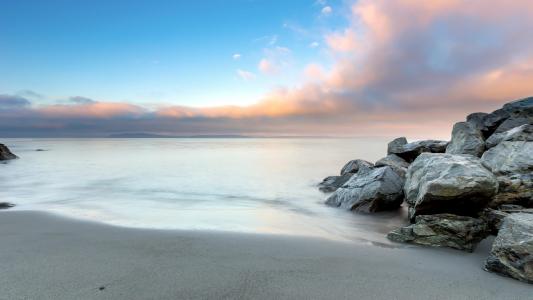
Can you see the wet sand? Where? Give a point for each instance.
(44, 256)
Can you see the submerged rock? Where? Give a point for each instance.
(520, 133)
(442, 230)
(353, 166)
(466, 139)
(410, 151)
(5, 153)
(370, 191)
(6, 205)
(398, 164)
(448, 183)
(332, 183)
(512, 251)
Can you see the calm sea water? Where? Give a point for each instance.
(263, 185)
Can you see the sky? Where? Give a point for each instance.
(259, 67)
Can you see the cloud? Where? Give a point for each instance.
(81, 100)
(245, 75)
(276, 58)
(314, 45)
(236, 56)
(326, 10)
(13, 102)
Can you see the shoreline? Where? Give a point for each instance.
(56, 257)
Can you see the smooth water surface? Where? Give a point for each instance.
(263, 185)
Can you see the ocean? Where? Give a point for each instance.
(251, 185)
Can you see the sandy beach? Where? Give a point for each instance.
(44, 256)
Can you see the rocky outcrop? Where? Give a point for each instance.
(448, 183)
(466, 139)
(371, 190)
(332, 183)
(410, 151)
(442, 230)
(353, 166)
(512, 251)
(5, 153)
(520, 133)
(398, 164)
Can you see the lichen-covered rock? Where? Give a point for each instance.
(509, 158)
(448, 183)
(396, 145)
(512, 251)
(371, 190)
(410, 151)
(398, 164)
(442, 230)
(353, 166)
(520, 133)
(466, 139)
(332, 183)
(514, 189)
(5, 153)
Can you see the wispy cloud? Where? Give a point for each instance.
(246, 75)
(236, 56)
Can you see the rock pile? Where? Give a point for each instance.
(457, 193)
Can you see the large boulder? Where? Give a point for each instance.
(477, 119)
(512, 251)
(396, 145)
(442, 230)
(371, 190)
(520, 133)
(5, 153)
(495, 217)
(398, 164)
(410, 151)
(353, 166)
(332, 183)
(511, 115)
(466, 139)
(448, 183)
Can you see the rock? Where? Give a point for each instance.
(448, 183)
(514, 189)
(509, 158)
(398, 164)
(511, 115)
(442, 230)
(6, 205)
(520, 133)
(411, 151)
(477, 119)
(495, 217)
(5, 153)
(396, 145)
(332, 183)
(353, 166)
(512, 250)
(466, 139)
(372, 190)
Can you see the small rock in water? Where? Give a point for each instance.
(6, 205)
(5, 153)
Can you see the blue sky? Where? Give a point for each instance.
(177, 52)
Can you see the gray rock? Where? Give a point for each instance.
(509, 158)
(5, 153)
(477, 119)
(495, 217)
(512, 250)
(370, 191)
(511, 115)
(353, 166)
(332, 183)
(514, 189)
(442, 230)
(411, 151)
(520, 133)
(466, 139)
(398, 164)
(396, 145)
(6, 205)
(448, 183)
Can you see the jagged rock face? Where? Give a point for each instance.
(398, 164)
(512, 251)
(514, 189)
(5, 153)
(332, 183)
(353, 166)
(442, 230)
(448, 183)
(466, 139)
(370, 191)
(495, 217)
(511, 115)
(520, 133)
(410, 151)
(396, 145)
(509, 158)
(477, 119)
